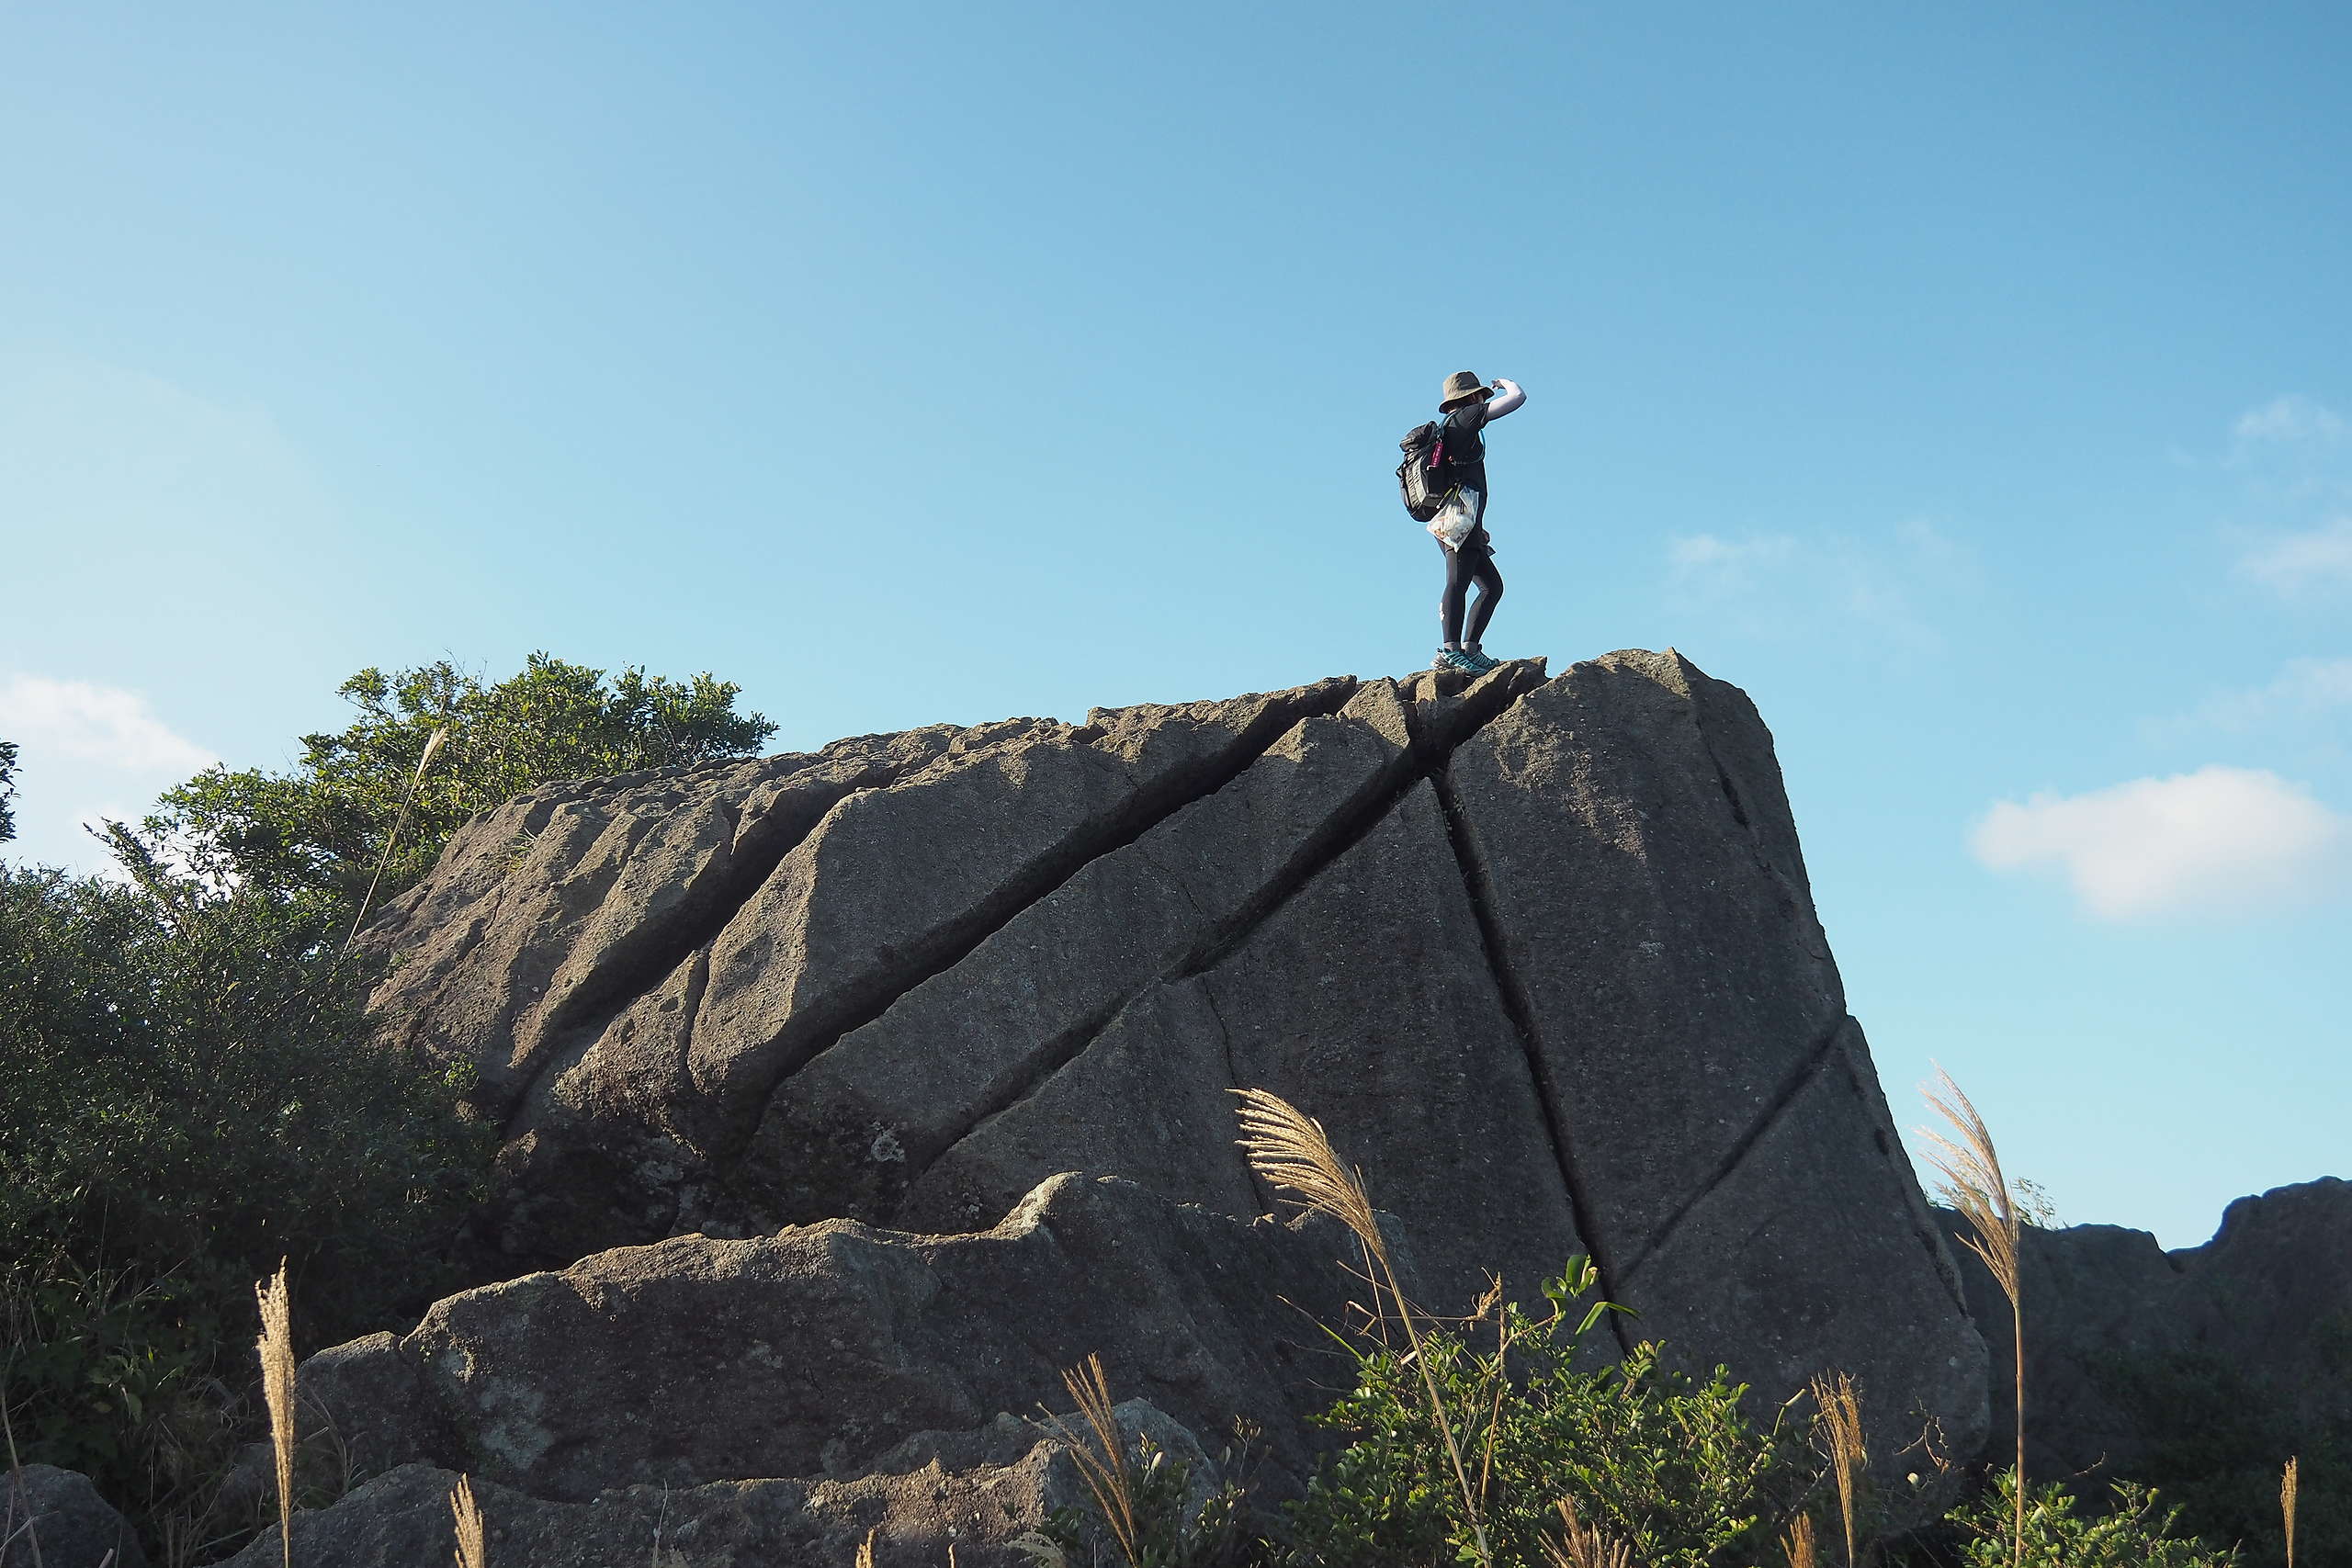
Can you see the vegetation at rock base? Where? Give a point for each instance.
(1665, 1465)
(322, 827)
(2217, 1434)
(190, 1093)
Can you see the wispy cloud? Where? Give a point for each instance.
(2293, 419)
(89, 723)
(1777, 584)
(2221, 840)
(2298, 565)
(2303, 689)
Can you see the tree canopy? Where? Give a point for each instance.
(321, 828)
(7, 790)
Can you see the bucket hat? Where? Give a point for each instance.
(1461, 388)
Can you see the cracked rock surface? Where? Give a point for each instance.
(797, 1035)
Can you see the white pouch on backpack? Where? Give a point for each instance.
(1457, 517)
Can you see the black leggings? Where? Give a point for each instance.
(1472, 563)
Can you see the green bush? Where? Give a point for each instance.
(2131, 1534)
(189, 1096)
(1666, 1465)
(323, 827)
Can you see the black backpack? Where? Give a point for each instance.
(1426, 476)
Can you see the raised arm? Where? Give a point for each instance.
(1507, 397)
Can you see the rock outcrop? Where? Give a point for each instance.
(55, 1517)
(797, 1035)
(2131, 1349)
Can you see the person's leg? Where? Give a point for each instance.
(1450, 602)
(1490, 592)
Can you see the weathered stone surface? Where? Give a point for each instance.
(816, 1351)
(56, 1517)
(975, 1492)
(1541, 954)
(1725, 1137)
(2267, 1302)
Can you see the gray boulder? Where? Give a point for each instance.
(57, 1519)
(1540, 954)
(975, 1492)
(2131, 1349)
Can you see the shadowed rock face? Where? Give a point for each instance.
(2265, 1305)
(1541, 954)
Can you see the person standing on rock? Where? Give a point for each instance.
(1464, 409)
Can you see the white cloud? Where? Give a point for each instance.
(2302, 563)
(2290, 418)
(104, 724)
(2220, 840)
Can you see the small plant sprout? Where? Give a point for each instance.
(1840, 1428)
(1290, 1150)
(277, 1347)
(468, 1519)
(1974, 1185)
(2289, 1484)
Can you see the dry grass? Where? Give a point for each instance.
(1840, 1427)
(276, 1348)
(1973, 1184)
(1583, 1546)
(2289, 1485)
(1290, 1150)
(466, 1514)
(1102, 1462)
(392, 838)
(1798, 1542)
(866, 1547)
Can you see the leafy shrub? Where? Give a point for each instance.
(1653, 1460)
(188, 1098)
(323, 827)
(2130, 1534)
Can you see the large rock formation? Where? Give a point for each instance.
(1541, 954)
(2131, 1349)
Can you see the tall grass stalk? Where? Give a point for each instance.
(392, 838)
(276, 1348)
(1291, 1152)
(467, 1516)
(1974, 1185)
(1841, 1427)
(1103, 1466)
(2289, 1485)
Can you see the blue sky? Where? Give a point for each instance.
(1971, 387)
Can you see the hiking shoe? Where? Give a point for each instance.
(1454, 659)
(1481, 660)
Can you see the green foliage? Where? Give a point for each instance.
(1173, 1528)
(187, 1099)
(1656, 1459)
(2217, 1437)
(7, 790)
(2130, 1534)
(321, 828)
